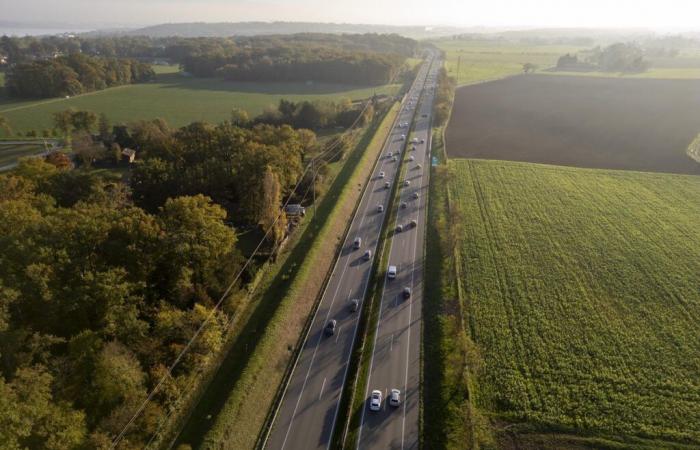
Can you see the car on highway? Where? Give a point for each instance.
(380, 208)
(399, 228)
(391, 273)
(407, 292)
(406, 183)
(425, 115)
(403, 137)
(390, 154)
(357, 243)
(415, 195)
(395, 397)
(330, 327)
(387, 185)
(375, 401)
(354, 305)
(411, 158)
(414, 223)
(418, 166)
(394, 159)
(422, 141)
(368, 255)
(404, 205)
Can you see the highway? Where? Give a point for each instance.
(307, 415)
(395, 362)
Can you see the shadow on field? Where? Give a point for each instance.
(178, 81)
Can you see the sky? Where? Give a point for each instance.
(655, 14)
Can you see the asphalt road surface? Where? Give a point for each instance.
(395, 362)
(309, 408)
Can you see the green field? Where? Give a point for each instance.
(179, 100)
(483, 61)
(581, 290)
(480, 61)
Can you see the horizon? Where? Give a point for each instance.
(651, 15)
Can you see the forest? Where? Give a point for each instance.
(101, 286)
(353, 59)
(72, 75)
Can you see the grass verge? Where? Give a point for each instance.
(271, 335)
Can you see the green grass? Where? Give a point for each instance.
(581, 289)
(11, 153)
(179, 100)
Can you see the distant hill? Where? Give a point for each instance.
(225, 29)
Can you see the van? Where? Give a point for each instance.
(391, 273)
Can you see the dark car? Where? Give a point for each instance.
(407, 292)
(330, 328)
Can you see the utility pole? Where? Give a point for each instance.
(459, 61)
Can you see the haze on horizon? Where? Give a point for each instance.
(665, 15)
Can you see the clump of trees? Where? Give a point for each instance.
(72, 75)
(620, 57)
(317, 114)
(97, 296)
(444, 96)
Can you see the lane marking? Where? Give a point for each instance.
(338, 333)
(371, 365)
(322, 386)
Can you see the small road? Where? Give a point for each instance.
(395, 362)
(307, 414)
(51, 143)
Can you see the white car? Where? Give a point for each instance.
(418, 166)
(395, 397)
(387, 185)
(403, 137)
(415, 195)
(391, 273)
(375, 400)
(381, 174)
(411, 158)
(406, 183)
(380, 208)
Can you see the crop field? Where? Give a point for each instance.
(604, 123)
(490, 60)
(582, 292)
(179, 100)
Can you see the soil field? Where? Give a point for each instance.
(581, 289)
(639, 124)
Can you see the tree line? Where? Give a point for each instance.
(176, 49)
(619, 57)
(444, 96)
(73, 74)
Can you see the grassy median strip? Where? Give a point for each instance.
(260, 361)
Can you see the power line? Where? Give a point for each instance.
(169, 371)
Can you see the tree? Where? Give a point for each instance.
(239, 117)
(63, 121)
(104, 127)
(5, 126)
(529, 68)
(84, 121)
(85, 149)
(60, 160)
(270, 202)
